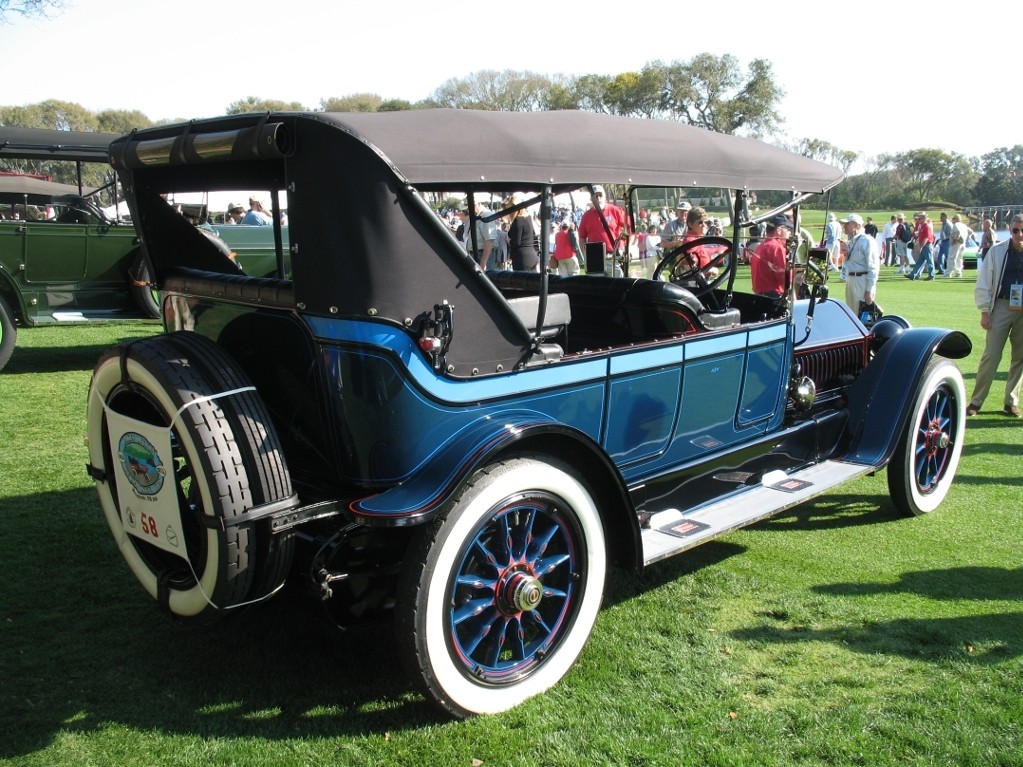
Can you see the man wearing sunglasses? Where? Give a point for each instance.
(999, 296)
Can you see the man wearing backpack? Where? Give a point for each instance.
(903, 236)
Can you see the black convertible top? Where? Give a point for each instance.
(441, 148)
(438, 146)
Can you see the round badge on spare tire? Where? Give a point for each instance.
(226, 459)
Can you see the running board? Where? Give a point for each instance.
(671, 532)
(95, 315)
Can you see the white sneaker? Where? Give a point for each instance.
(900, 270)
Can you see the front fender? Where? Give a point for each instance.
(880, 398)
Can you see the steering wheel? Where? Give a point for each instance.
(815, 275)
(680, 266)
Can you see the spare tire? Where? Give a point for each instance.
(225, 461)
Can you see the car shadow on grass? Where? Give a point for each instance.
(623, 585)
(968, 582)
(84, 648)
(984, 638)
(833, 511)
(53, 359)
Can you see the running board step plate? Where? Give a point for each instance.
(671, 532)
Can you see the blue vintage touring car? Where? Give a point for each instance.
(406, 437)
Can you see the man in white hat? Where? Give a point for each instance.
(861, 265)
(235, 213)
(676, 229)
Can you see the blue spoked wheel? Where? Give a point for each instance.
(501, 592)
(927, 456)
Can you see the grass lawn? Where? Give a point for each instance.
(838, 633)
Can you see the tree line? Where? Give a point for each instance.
(708, 91)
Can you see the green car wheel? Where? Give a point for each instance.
(8, 333)
(146, 297)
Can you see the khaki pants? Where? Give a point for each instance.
(955, 259)
(855, 289)
(1006, 325)
(568, 267)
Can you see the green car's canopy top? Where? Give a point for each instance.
(18, 189)
(46, 144)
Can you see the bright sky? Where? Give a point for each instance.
(851, 75)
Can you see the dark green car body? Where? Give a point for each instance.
(76, 266)
(64, 259)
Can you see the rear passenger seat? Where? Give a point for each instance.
(612, 311)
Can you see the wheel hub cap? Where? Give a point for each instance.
(523, 592)
(936, 440)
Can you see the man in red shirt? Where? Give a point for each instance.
(770, 260)
(923, 246)
(591, 228)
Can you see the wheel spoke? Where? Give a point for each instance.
(474, 640)
(553, 593)
(538, 619)
(520, 537)
(506, 538)
(518, 637)
(471, 609)
(487, 554)
(539, 545)
(549, 564)
(476, 582)
(924, 473)
(497, 646)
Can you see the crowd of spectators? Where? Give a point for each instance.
(656, 231)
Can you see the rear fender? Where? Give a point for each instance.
(423, 495)
(880, 398)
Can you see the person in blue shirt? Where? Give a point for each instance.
(833, 242)
(257, 215)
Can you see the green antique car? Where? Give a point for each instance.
(64, 258)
